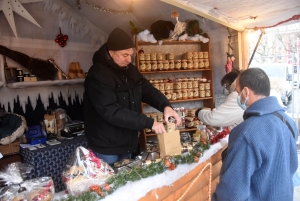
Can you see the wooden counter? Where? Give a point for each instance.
(192, 186)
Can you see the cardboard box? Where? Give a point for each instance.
(10, 149)
(30, 79)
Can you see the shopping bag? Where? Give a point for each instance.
(169, 143)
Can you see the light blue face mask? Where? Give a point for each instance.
(243, 106)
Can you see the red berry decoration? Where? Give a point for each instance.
(61, 39)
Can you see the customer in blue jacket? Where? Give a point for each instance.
(262, 153)
(114, 91)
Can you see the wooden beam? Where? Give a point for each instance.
(197, 12)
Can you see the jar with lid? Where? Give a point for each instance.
(161, 86)
(201, 63)
(206, 85)
(200, 55)
(207, 93)
(202, 93)
(196, 63)
(183, 85)
(205, 55)
(166, 64)
(156, 85)
(153, 65)
(190, 64)
(168, 95)
(184, 64)
(179, 95)
(190, 84)
(195, 84)
(159, 56)
(174, 96)
(189, 55)
(177, 64)
(160, 65)
(171, 65)
(171, 56)
(153, 56)
(141, 56)
(195, 55)
(167, 86)
(201, 86)
(148, 66)
(177, 85)
(171, 85)
(184, 94)
(190, 94)
(196, 93)
(147, 57)
(206, 63)
(142, 66)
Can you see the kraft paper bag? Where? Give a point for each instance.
(169, 143)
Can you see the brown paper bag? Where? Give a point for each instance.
(169, 143)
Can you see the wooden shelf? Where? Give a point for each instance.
(180, 130)
(20, 85)
(175, 71)
(187, 100)
(141, 43)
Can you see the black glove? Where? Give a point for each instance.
(197, 111)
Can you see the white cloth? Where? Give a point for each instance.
(228, 114)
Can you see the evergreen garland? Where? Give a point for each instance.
(121, 178)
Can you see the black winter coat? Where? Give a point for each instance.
(112, 105)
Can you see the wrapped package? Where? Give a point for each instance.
(84, 170)
(38, 189)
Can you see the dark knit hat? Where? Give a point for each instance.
(119, 40)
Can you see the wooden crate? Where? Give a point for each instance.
(9, 149)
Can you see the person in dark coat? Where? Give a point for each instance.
(114, 91)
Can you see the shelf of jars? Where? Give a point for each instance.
(16, 85)
(175, 71)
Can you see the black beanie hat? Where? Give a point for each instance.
(119, 40)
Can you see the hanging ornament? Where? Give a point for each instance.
(61, 39)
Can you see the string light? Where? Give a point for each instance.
(107, 10)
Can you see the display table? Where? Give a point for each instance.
(51, 160)
(186, 182)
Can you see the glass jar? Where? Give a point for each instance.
(153, 65)
(171, 65)
(200, 55)
(177, 85)
(159, 56)
(183, 85)
(171, 56)
(205, 55)
(167, 86)
(190, 94)
(179, 95)
(206, 63)
(160, 65)
(166, 64)
(177, 64)
(195, 84)
(195, 55)
(148, 66)
(201, 63)
(201, 86)
(207, 93)
(161, 86)
(190, 84)
(147, 57)
(190, 64)
(142, 66)
(207, 85)
(189, 55)
(184, 64)
(196, 93)
(184, 94)
(174, 96)
(196, 63)
(202, 93)
(153, 56)
(142, 57)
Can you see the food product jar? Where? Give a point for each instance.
(196, 93)
(168, 95)
(159, 56)
(190, 84)
(202, 93)
(207, 93)
(205, 55)
(153, 56)
(177, 85)
(200, 55)
(160, 65)
(201, 63)
(147, 57)
(184, 94)
(189, 55)
(161, 86)
(207, 85)
(156, 85)
(142, 66)
(171, 65)
(174, 96)
(206, 63)
(195, 84)
(153, 65)
(178, 95)
(167, 86)
(171, 56)
(141, 57)
(177, 64)
(183, 85)
(190, 94)
(201, 86)
(148, 66)
(195, 55)
(184, 64)
(166, 64)
(195, 63)
(190, 64)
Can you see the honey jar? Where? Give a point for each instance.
(160, 117)
(142, 67)
(196, 93)
(141, 57)
(184, 64)
(207, 85)
(153, 56)
(168, 95)
(167, 86)
(205, 55)
(200, 55)
(201, 63)
(177, 85)
(195, 55)
(201, 86)
(178, 95)
(171, 56)
(174, 96)
(159, 56)
(184, 94)
(161, 86)
(166, 64)
(190, 84)
(147, 57)
(190, 94)
(177, 64)
(189, 55)
(160, 65)
(156, 85)
(195, 63)
(206, 63)
(207, 93)
(190, 64)
(171, 65)
(183, 85)
(148, 66)
(153, 65)
(202, 93)
(195, 84)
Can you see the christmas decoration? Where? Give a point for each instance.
(134, 30)
(8, 6)
(78, 23)
(107, 10)
(179, 27)
(43, 69)
(61, 39)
